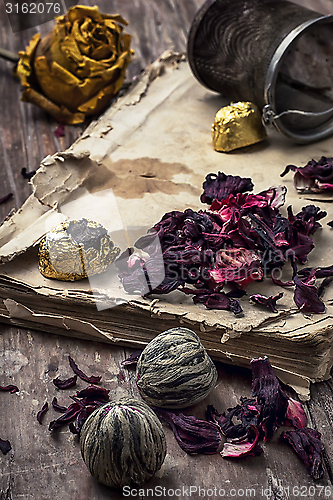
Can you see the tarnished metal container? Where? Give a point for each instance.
(275, 53)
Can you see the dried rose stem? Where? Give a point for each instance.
(9, 56)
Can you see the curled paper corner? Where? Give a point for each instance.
(168, 60)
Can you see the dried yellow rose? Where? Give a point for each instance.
(76, 69)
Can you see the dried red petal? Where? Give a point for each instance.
(295, 414)
(91, 380)
(93, 393)
(65, 384)
(42, 412)
(306, 294)
(6, 198)
(219, 186)
(5, 446)
(60, 131)
(81, 417)
(60, 409)
(308, 446)
(66, 418)
(193, 435)
(237, 422)
(27, 175)
(272, 399)
(244, 447)
(269, 302)
(315, 176)
(132, 359)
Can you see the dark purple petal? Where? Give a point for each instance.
(70, 414)
(308, 446)
(60, 131)
(219, 186)
(193, 435)
(324, 284)
(244, 447)
(93, 393)
(132, 359)
(9, 388)
(306, 295)
(6, 198)
(295, 414)
(60, 409)
(214, 300)
(320, 272)
(315, 176)
(272, 399)
(5, 446)
(236, 423)
(65, 384)
(42, 412)
(83, 376)
(81, 417)
(269, 302)
(27, 175)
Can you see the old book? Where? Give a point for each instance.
(147, 155)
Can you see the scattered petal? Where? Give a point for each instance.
(60, 131)
(6, 198)
(65, 384)
(315, 176)
(272, 399)
(67, 417)
(9, 388)
(93, 393)
(132, 359)
(295, 414)
(306, 295)
(193, 435)
(218, 187)
(5, 446)
(244, 447)
(60, 409)
(269, 302)
(27, 175)
(83, 376)
(42, 412)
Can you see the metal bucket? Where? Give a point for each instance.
(274, 53)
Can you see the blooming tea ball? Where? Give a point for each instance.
(174, 370)
(123, 443)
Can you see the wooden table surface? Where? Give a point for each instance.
(44, 465)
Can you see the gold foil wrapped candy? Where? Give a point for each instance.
(75, 250)
(76, 69)
(236, 126)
